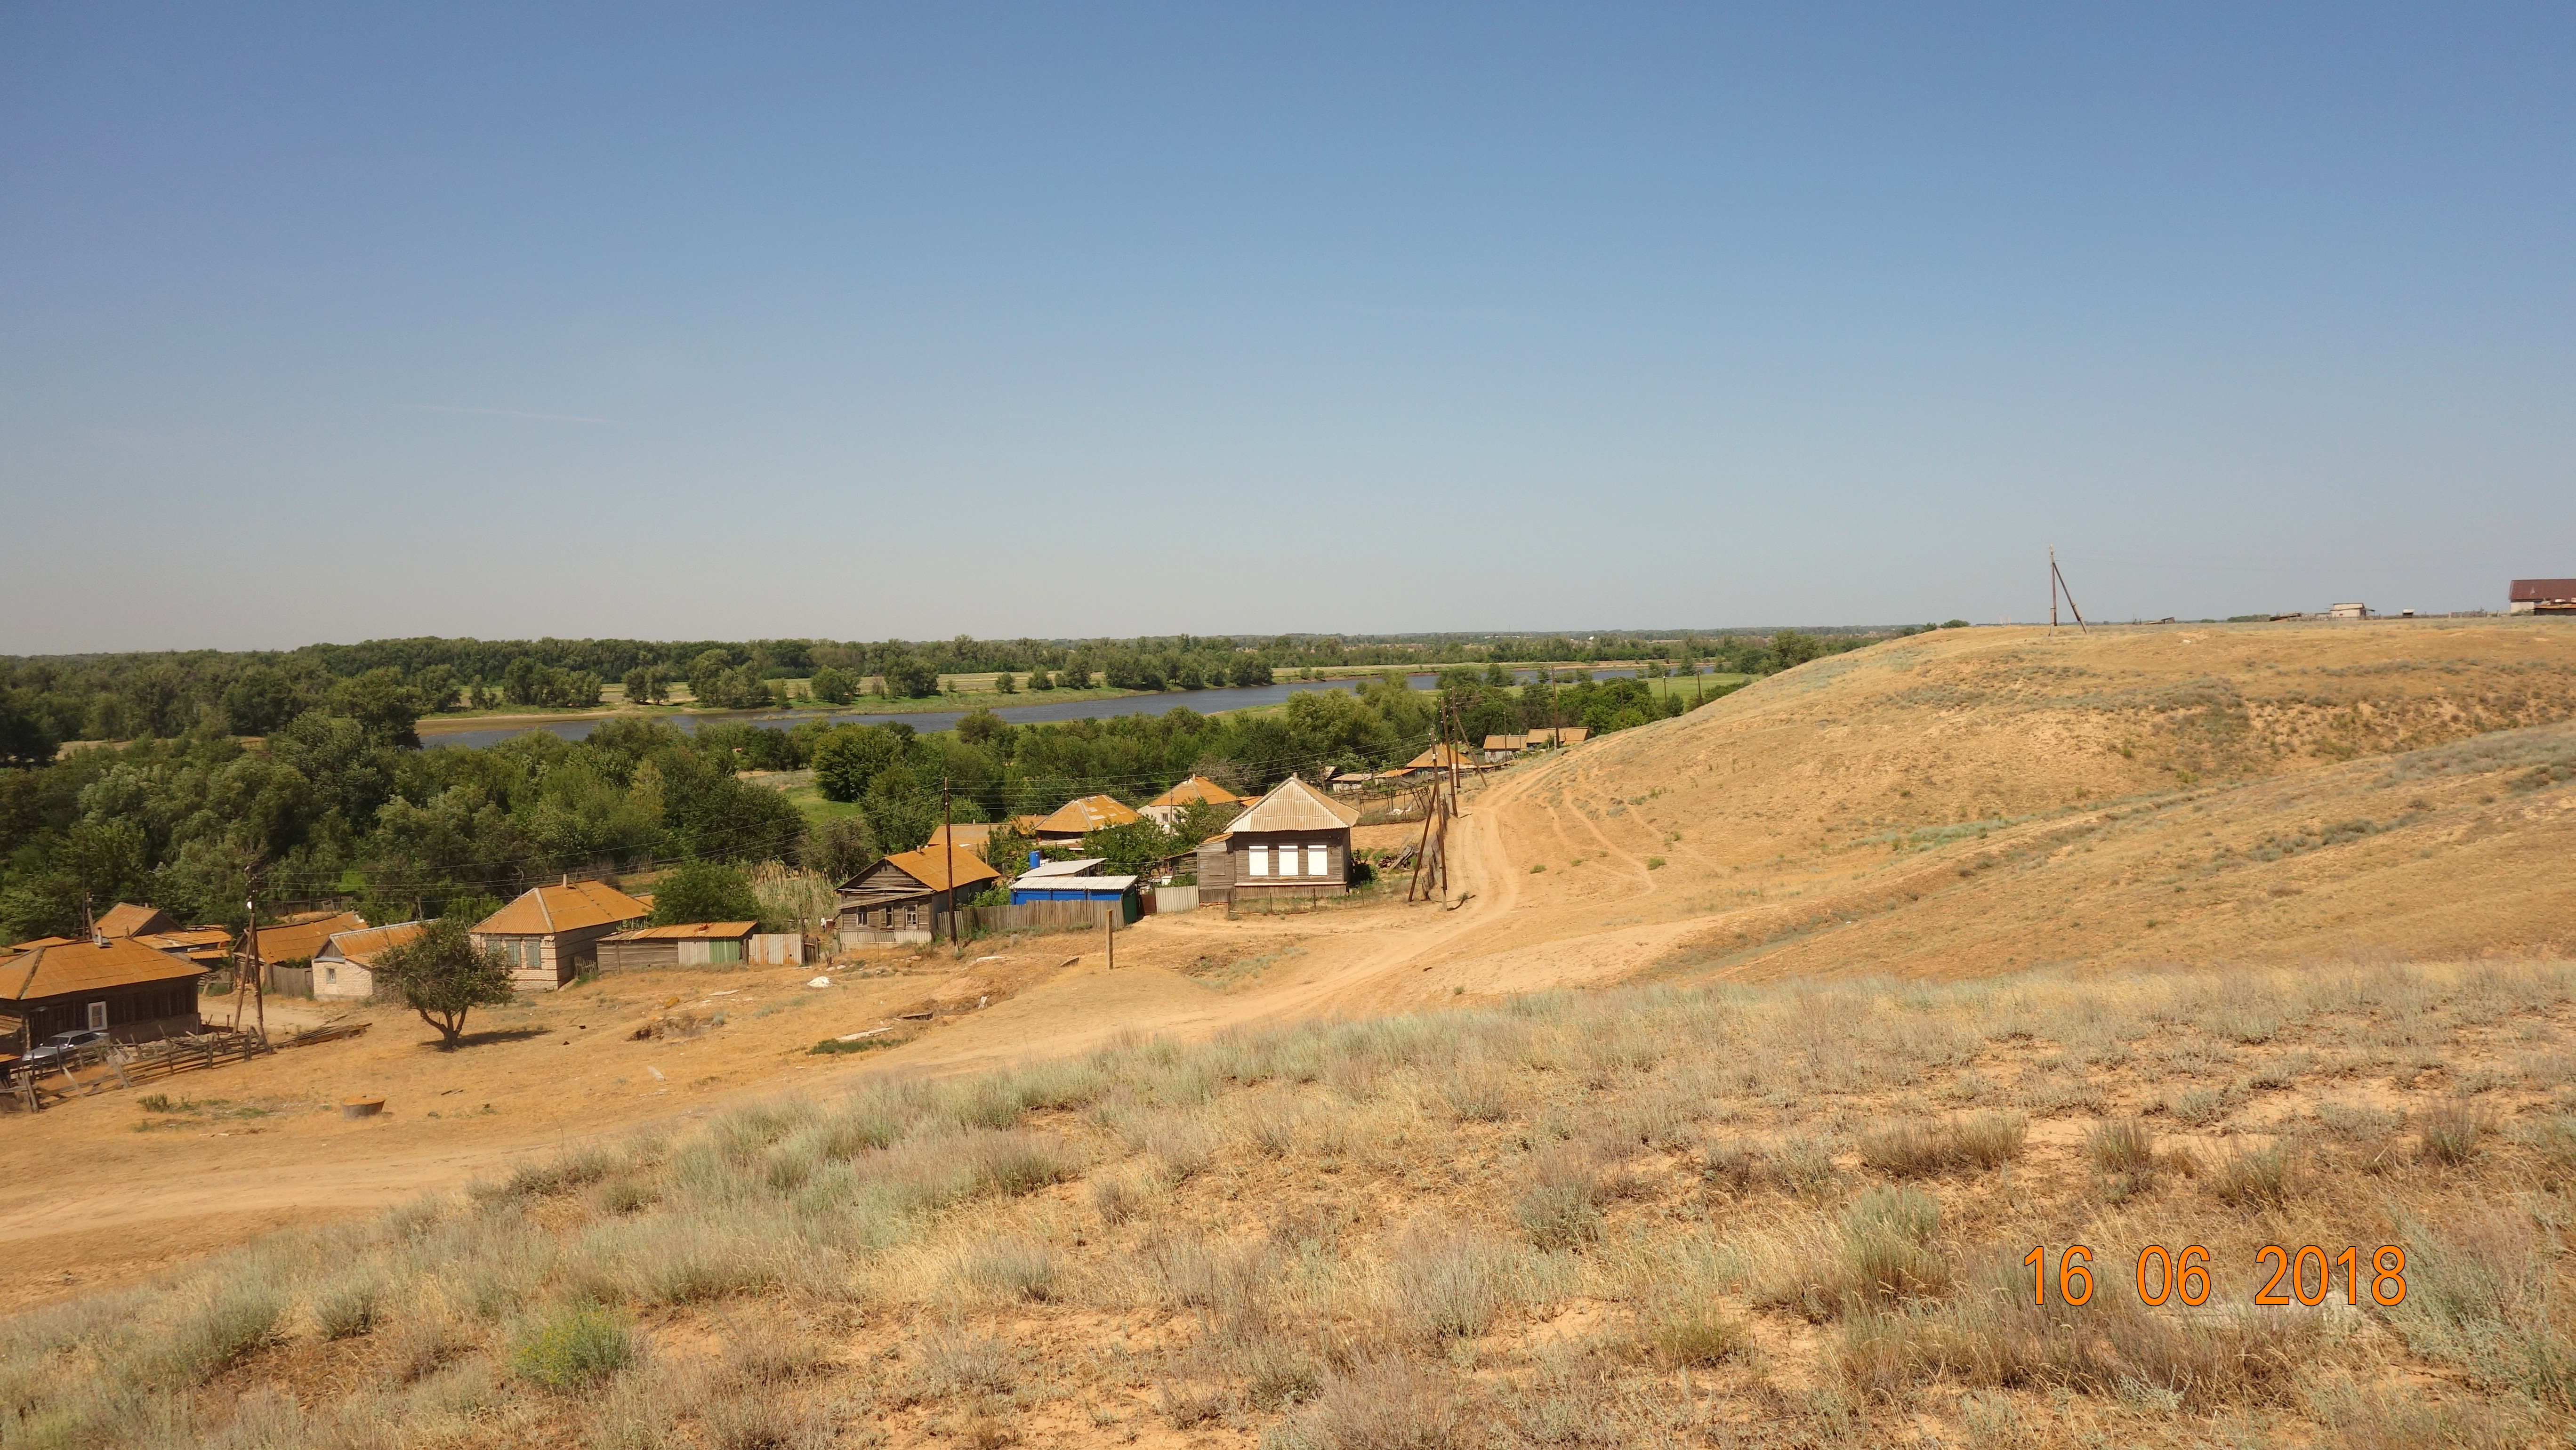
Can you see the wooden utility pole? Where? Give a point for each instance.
(948, 840)
(2057, 586)
(1422, 850)
(1109, 932)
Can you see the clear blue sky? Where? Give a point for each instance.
(724, 321)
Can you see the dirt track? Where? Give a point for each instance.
(1958, 804)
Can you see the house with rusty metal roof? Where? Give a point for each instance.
(551, 934)
(1165, 810)
(345, 967)
(1293, 844)
(901, 898)
(115, 985)
(127, 919)
(1080, 817)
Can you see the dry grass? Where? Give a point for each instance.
(1626, 1217)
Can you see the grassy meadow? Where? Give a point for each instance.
(1650, 1216)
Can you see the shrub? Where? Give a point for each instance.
(1379, 1404)
(2450, 1131)
(1475, 1093)
(574, 1350)
(1006, 1269)
(1561, 1207)
(350, 1309)
(217, 1333)
(2124, 1158)
(1918, 1150)
(1446, 1288)
(2264, 1177)
(1114, 1198)
(1694, 1336)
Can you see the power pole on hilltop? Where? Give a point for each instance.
(2057, 586)
(948, 841)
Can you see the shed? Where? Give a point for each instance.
(2542, 596)
(345, 968)
(1501, 749)
(127, 919)
(1080, 817)
(551, 934)
(286, 948)
(1080, 886)
(116, 985)
(901, 898)
(1294, 843)
(698, 944)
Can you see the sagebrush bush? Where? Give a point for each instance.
(574, 1349)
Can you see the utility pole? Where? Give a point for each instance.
(2056, 586)
(1109, 932)
(948, 840)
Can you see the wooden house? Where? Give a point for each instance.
(901, 898)
(287, 949)
(1504, 749)
(1165, 810)
(116, 985)
(1078, 818)
(965, 836)
(345, 968)
(1294, 844)
(126, 919)
(698, 944)
(551, 934)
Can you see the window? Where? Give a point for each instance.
(1259, 859)
(1315, 860)
(330, 976)
(98, 1016)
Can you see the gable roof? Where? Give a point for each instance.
(930, 868)
(61, 970)
(208, 944)
(969, 835)
(363, 947)
(302, 940)
(1506, 742)
(1439, 757)
(545, 910)
(127, 919)
(1082, 867)
(1196, 788)
(2542, 591)
(1293, 805)
(1087, 814)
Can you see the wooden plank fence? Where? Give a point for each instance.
(105, 1065)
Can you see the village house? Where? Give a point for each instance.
(1294, 844)
(965, 836)
(207, 946)
(345, 968)
(1439, 758)
(1165, 810)
(1080, 817)
(287, 949)
(1504, 749)
(115, 985)
(1546, 737)
(551, 934)
(901, 898)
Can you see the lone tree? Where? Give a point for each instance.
(442, 977)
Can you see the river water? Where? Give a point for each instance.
(1037, 710)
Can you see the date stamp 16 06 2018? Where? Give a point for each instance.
(2305, 1275)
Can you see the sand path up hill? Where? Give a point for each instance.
(1968, 802)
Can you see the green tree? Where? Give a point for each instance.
(26, 740)
(440, 975)
(704, 891)
(839, 848)
(911, 677)
(1006, 683)
(384, 707)
(849, 758)
(832, 687)
(261, 700)
(647, 685)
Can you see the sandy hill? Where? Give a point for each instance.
(1982, 800)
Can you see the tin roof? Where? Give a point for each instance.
(930, 868)
(71, 967)
(1197, 788)
(127, 919)
(2542, 591)
(199, 943)
(1088, 885)
(1506, 742)
(1293, 805)
(545, 910)
(693, 931)
(363, 947)
(1083, 867)
(1087, 814)
(968, 835)
(302, 940)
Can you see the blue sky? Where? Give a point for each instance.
(340, 322)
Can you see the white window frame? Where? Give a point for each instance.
(1318, 860)
(98, 1016)
(1257, 861)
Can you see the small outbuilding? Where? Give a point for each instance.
(1504, 749)
(1293, 844)
(345, 968)
(115, 985)
(287, 949)
(901, 898)
(1078, 881)
(551, 934)
(698, 944)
